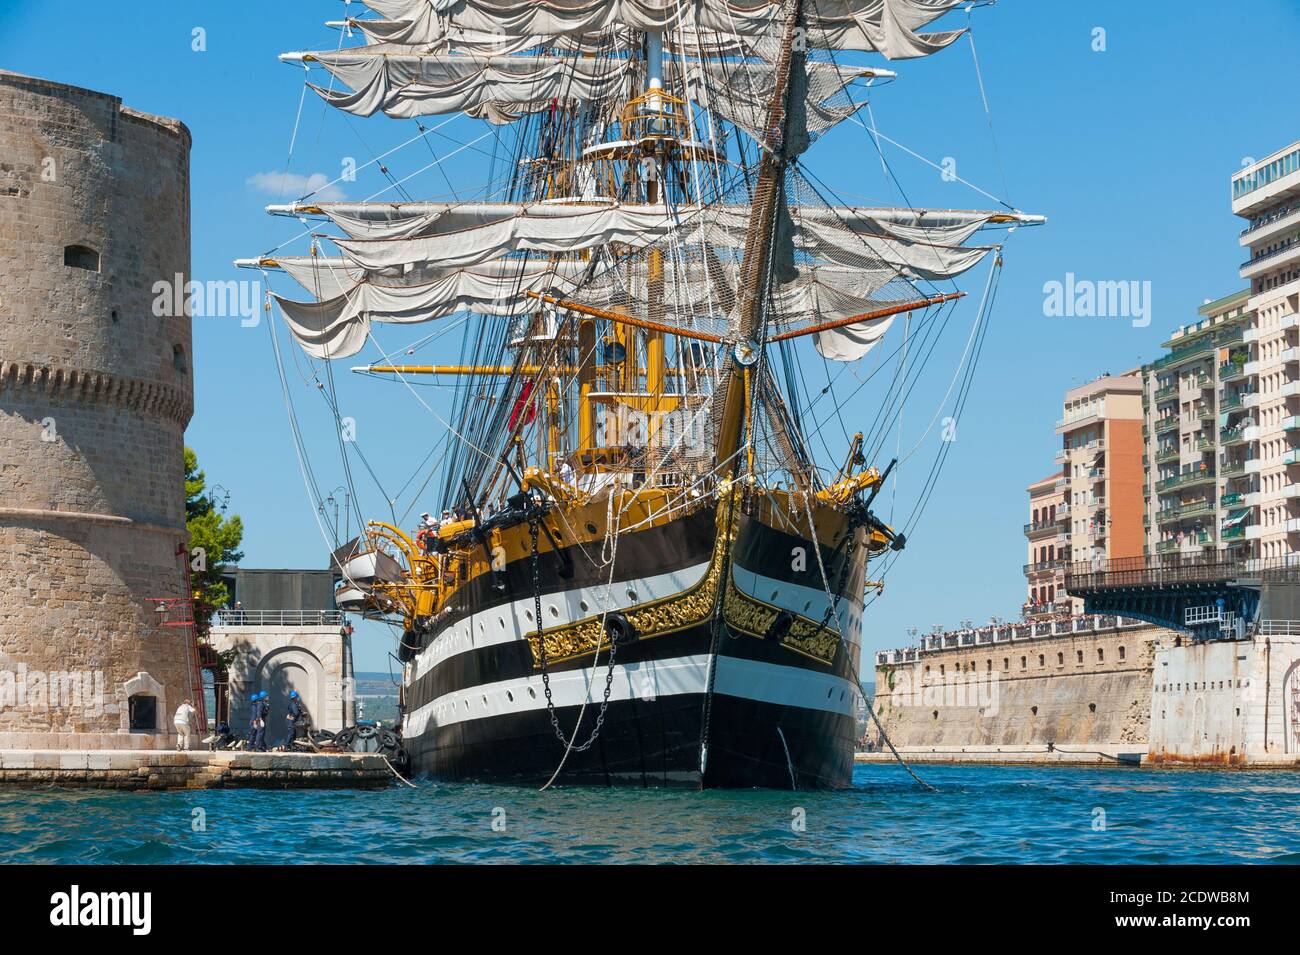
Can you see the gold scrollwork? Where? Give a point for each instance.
(687, 609)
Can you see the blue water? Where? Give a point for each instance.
(984, 814)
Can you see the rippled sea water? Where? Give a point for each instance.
(979, 814)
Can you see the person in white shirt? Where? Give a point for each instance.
(184, 719)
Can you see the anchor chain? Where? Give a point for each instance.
(541, 652)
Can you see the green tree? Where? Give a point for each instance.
(214, 542)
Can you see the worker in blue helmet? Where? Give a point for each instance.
(263, 713)
(294, 715)
(254, 715)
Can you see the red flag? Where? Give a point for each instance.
(520, 403)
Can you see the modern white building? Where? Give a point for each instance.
(1267, 195)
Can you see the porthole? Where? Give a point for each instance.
(555, 611)
(528, 614)
(775, 594)
(591, 528)
(510, 696)
(532, 693)
(631, 595)
(485, 703)
(582, 605)
(807, 604)
(502, 622)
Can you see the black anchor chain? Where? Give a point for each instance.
(541, 652)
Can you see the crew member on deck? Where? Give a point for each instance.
(427, 533)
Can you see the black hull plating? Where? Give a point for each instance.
(651, 742)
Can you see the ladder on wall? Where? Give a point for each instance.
(178, 612)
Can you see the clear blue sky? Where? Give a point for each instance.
(1128, 151)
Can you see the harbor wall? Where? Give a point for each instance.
(1227, 702)
(1023, 695)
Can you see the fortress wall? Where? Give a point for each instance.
(95, 393)
(1067, 690)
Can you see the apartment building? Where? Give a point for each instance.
(1267, 195)
(1092, 508)
(1199, 426)
(1101, 454)
(1048, 539)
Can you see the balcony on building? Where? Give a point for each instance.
(1040, 529)
(1271, 183)
(1272, 222)
(1231, 436)
(1287, 253)
(1192, 476)
(1231, 370)
(1234, 401)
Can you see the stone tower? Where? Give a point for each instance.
(95, 391)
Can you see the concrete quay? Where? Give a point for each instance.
(1086, 754)
(195, 769)
(1083, 755)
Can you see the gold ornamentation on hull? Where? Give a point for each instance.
(690, 608)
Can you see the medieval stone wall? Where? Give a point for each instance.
(1067, 690)
(96, 388)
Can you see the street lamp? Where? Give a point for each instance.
(222, 499)
(334, 502)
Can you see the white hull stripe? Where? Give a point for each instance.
(648, 680)
(514, 621)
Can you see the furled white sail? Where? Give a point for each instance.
(851, 342)
(337, 326)
(460, 236)
(501, 89)
(885, 26)
(455, 241)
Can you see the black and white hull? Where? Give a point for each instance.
(685, 708)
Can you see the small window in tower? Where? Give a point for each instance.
(81, 257)
(178, 359)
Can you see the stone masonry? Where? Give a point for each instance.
(96, 389)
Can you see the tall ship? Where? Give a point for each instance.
(651, 559)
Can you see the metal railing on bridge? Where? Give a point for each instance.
(1165, 570)
(279, 618)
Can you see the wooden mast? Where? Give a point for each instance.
(758, 252)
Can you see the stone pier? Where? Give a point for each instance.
(197, 769)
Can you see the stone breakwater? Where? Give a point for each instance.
(198, 769)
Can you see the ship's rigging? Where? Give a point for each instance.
(638, 278)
